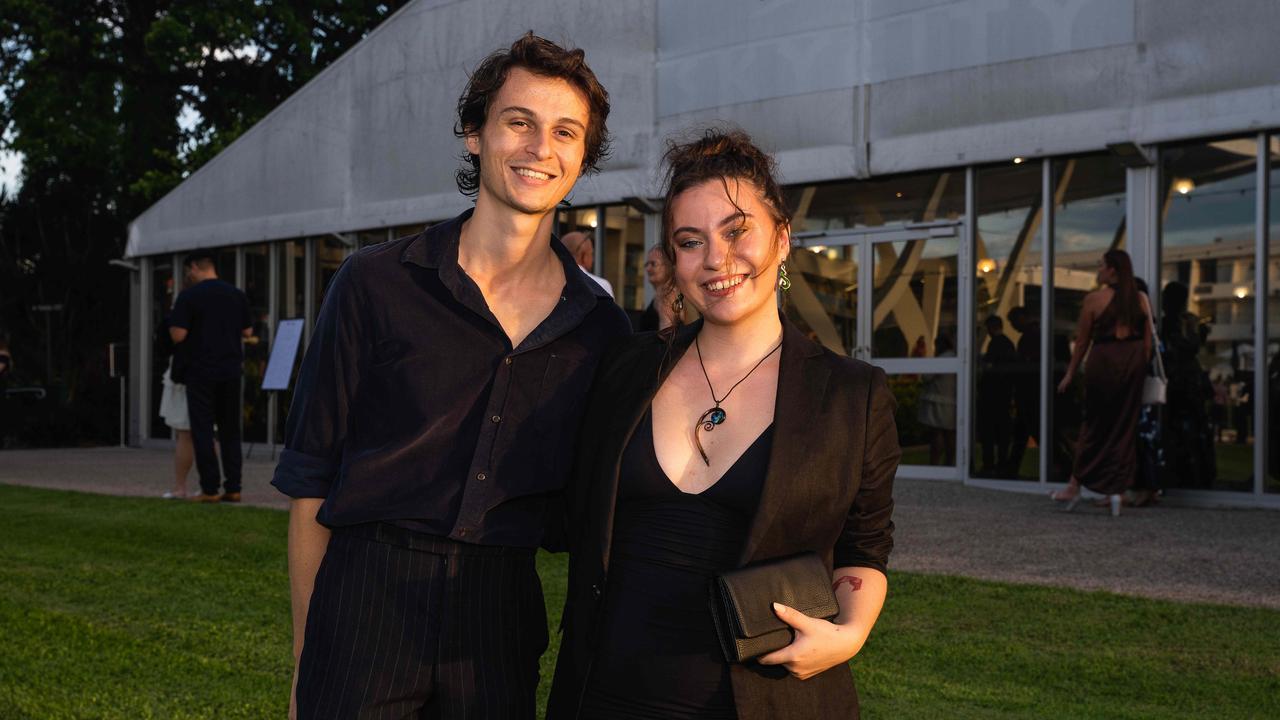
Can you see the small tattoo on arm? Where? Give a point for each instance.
(855, 583)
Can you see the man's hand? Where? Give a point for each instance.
(818, 644)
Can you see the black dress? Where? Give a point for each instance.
(658, 656)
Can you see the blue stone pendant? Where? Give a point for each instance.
(708, 422)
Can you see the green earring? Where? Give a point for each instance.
(784, 282)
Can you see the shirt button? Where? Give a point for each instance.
(496, 418)
(595, 591)
(481, 476)
(508, 361)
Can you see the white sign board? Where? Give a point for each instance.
(283, 353)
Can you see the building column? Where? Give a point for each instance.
(1142, 221)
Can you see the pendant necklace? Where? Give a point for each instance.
(716, 415)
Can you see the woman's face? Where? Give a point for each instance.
(657, 269)
(726, 257)
(1106, 274)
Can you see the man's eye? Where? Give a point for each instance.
(567, 134)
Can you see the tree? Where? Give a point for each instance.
(91, 93)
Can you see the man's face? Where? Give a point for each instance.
(532, 144)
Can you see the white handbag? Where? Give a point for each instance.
(1155, 387)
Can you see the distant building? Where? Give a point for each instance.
(939, 157)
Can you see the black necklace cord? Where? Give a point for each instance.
(716, 415)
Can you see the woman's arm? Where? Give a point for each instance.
(820, 644)
(860, 555)
(1084, 328)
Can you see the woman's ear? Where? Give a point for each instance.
(784, 242)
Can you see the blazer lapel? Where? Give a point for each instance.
(802, 382)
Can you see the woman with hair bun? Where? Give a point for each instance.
(714, 446)
(1115, 330)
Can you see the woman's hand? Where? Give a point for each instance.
(818, 645)
(1065, 385)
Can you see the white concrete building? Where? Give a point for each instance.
(938, 155)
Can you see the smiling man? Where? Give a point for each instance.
(430, 432)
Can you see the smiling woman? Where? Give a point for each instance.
(690, 468)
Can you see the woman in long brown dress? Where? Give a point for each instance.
(1114, 330)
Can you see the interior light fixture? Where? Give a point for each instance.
(1241, 292)
(1017, 161)
(898, 194)
(986, 266)
(1184, 186)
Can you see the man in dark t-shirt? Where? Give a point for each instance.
(209, 321)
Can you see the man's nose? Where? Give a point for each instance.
(539, 144)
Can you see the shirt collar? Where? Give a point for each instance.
(437, 249)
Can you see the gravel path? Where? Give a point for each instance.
(1179, 553)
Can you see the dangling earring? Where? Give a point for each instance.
(679, 303)
(784, 282)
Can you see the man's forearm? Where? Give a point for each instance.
(308, 541)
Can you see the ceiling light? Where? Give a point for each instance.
(897, 194)
(1017, 161)
(1184, 186)
(1241, 292)
(986, 266)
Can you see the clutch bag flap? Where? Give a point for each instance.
(743, 603)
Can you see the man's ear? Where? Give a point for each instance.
(472, 142)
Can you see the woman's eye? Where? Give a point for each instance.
(688, 243)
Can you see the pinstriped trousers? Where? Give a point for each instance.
(405, 625)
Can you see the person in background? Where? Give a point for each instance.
(1114, 330)
(583, 249)
(174, 412)
(1026, 387)
(995, 395)
(661, 312)
(210, 320)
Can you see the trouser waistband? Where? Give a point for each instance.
(422, 542)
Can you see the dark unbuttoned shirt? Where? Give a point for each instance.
(413, 408)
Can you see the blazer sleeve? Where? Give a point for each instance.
(867, 537)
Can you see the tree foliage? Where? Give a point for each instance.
(91, 95)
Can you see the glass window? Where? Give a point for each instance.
(624, 258)
(330, 252)
(162, 296)
(258, 348)
(226, 262)
(923, 197)
(365, 238)
(1272, 483)
(291, 292)
(823, 299)
(926, 415)
(914, 293)
(1208, 228)
(1007, 285)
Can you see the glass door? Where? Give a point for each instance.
(889, 296)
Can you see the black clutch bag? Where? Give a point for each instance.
(742, 603)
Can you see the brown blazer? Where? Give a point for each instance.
(828, 489)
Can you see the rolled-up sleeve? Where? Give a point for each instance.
(867, 538)
(325, 392)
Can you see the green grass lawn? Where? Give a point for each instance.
(136, 608)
